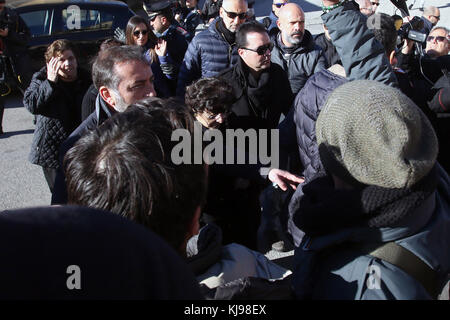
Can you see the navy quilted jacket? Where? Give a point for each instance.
(308, 103)
(58, 110)
(207, 55)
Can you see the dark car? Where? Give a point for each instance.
(86, 23)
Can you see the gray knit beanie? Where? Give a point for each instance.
(376, 135)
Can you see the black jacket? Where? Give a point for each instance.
(277, 98)
(58, 109)
(102, 112)
(329, 50)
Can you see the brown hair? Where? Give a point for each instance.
(58, 47)
(152, 39)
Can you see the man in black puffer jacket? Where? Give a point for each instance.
(295, 50)
(55, 96)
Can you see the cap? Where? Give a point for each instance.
(153, 8)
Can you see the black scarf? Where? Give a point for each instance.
(229, 36)
(258, 90)
(323, 209)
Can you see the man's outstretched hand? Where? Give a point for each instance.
(284, 179)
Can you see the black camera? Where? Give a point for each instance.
(411, 30)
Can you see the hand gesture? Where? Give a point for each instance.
(284, 178)
(161, 47)
(52, 68)
(119, 35)
(4, 32)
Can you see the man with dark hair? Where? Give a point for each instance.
(261, 88)
(213, 50)
(122, 76)
(126, 166)
(55, 96)
(295, 50)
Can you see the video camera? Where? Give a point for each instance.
(411, 30)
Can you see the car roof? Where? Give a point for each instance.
(23, 3)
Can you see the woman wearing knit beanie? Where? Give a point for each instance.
(378, 225)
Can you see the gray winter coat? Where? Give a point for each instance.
(306, 59)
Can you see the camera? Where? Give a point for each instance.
(411, 30)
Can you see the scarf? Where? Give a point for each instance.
(258, 90)
(229, 36)
(323, 210)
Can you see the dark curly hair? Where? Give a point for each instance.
(209, 94)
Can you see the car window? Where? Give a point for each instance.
(39, 22)
(89, 20)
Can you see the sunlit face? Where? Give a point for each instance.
(140, 34)
(69, 66)
(251, 58)
(435, 17)
(292, 25)
(437, 43)
(136, 84)
(233, 14)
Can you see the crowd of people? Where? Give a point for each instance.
(360, 189)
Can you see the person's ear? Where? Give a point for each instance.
(107, 96)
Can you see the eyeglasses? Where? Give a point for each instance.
(375, 3)
(438, 38)
(437, 17)
(137, 32)
(262, 49)
(213, 116)
(233, 15)
(279, 5)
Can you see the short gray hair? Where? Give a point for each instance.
(103, 69)
(447, 31)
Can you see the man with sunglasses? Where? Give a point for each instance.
(261, 88)
(271, 21)
(437, 42)
(166, 27)
(430, 17)
(295, 50)
(214, 49)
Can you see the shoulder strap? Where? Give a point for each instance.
(407, 261)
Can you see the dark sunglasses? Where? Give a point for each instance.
(233, 15)
(437, 17)
(137, 32)
(279, 5)
(375, 3)
(153, 17)
(438, 38)
(262, 49)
